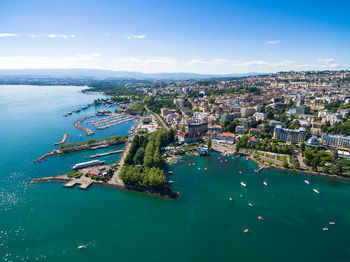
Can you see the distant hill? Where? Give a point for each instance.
(98, 73)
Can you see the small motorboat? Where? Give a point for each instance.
(240, 172)
(171, 182)
(170, 172)
(250, 204)
(205, 168)
(316, 191)
(260, 218)
(307, 182)
(246, 230)
(199, 168)
(265, 183)
(81, 247)
(230, 198)
(243, 184)
(331, 223)
(325, 229)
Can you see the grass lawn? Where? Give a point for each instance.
(281, 158)
(270, 156)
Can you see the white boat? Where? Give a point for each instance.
(331, 223)
(325, 229)
(171, 181)
(243, 184)
(307, 182)
(82, 246)
(250, 204)
(265, 183)
(316, 191)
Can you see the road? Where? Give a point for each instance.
(159, 119)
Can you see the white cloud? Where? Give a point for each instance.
(328, 60)
(137, 37)
(273, 42)
(64, 36)
(160, 64)
(7, 35)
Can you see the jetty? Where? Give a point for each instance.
(51, 153)
(64, 139)
(107, 153)
(77, 110)
(78, 125)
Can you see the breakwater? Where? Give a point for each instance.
(107, 153)
(78, 124)
(77, 110)
(64, 139)
(51, 153)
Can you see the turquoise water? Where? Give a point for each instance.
(46, 222)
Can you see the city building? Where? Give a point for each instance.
(289, 135)
(259, 116)
(254, 131)
(240, 129)
(338, 141)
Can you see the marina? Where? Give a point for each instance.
(110, 121)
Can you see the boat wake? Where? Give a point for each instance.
(86, 245)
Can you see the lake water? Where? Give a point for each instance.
(46, 222)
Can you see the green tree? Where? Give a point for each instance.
(209, 143)
(138, 158)
(296, 165)
(285, 164)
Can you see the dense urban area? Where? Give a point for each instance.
(286, 120)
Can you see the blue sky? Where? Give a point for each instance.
(217, 37)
